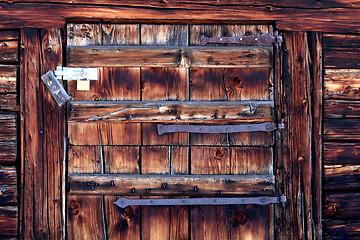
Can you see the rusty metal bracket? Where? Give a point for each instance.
(124, 202)
(260, 127)
(265, 39)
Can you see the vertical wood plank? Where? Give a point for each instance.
(85, 216)
(120, 34)
(164, 35)
(294, 168)
(251, 160)
(33, 200)
(83, 34)
(54, 126)
(121, 223)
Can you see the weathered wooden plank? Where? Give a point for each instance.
(342, 205)
(83, 34)
(341, 51)
(9, 35)
(342, 84)
(9, 51)
(251, 160)
(79, 56)
(33, 199)
(104, 134)
(8, 152)
(8, 102)
(332, 19)
(120, 34)
(121, 223)
(8, 176)
(294, 165)
(342, 109)
(8, 195)
(9, 221)
(113, 84)
(225, 30)
(158, 111)
(84, 159)
(7, 127)
(341, 177)
(341, 129)
(164, 35)
(341, 229)
(341, 153)
(8, 78)
(210, 160)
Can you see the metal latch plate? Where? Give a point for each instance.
(74, 73)
(124, 202)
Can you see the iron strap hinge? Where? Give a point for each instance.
(259, 127)
(265, 39)
(124, 202)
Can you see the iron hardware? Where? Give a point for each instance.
(260, 127)
(73, 73)
(124, 202)
(55, 88)
(265, 39)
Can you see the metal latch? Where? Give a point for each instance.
(260, 127)
(265, 39)
(124, 202)
(82, 75)
(55, 88)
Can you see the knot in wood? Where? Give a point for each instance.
(240, 217)
(301, 159)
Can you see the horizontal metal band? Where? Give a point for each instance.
(265, 39)
(124, 202)
(260, 127)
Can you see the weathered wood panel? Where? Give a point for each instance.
(341, 177)
(168, 56)
(341, 153)
(342, 109)
(8, 102)
(9, 51)
(164, 35)
(341, 51)
(184, 111)
(8, 176)
(342, 205)
(326, 19)
(120, 34)
(8, 78)
(341, 129)
(145, 184)
(8, 152)
(8, 194)
(251, 160)
(9, 221)
(341, 229)
(7, 127)
(342, 84)
(83, 34)
(9, 35)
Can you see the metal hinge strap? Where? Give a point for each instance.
(124, 202)
(260, 127)
(265, 39)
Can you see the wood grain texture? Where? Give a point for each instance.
(8, 102)
(9, 35)
(341, 177)
(120, 34)
(336, 153)
(341, 51)
(341, 129)
(33, 200)
(8, 78)
(251, 160)
(342, 109)
(7, 127)
(8, 194)
(8, 176)
(170, 111)
(9, 51)
(122, 184)
(294, 167)
(342, 84)
(341, 205)
(9, 221)
(164, 35)
(341, 229)
(83, 34)
(168, 56)
(8, 152)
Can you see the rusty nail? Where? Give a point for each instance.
(112, 183)
(181, 192)
(196, 189)
(179, 184)
(133, 190)
(147, 191)
(218, 192)
(227, 180)
(96, 184)
(92, 188)
(164, 185)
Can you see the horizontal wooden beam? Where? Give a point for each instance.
(341, 229)
(8, 195)
(8, 151)
(8, 176)
(342, 129)
(342, 109)
(342, 177)
(8, 78)
(342, 84)
(287, 16)
(8, 221)
(138, 56)
(152, 184)
(341, 153)
(342, 205)
(176, 111)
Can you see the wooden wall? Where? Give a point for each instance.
(342, 136)
(9, 64)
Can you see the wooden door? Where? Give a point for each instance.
(159, 73)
